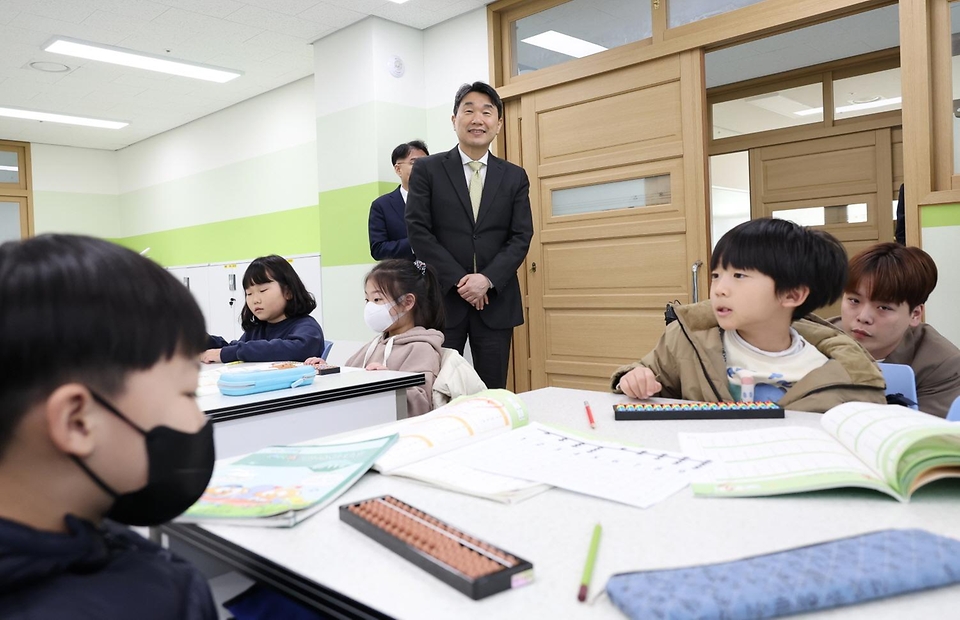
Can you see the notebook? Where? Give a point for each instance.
(888, 448)
(280, 486)
(830, 574)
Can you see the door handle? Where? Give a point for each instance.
(695, 271)
(533, 267)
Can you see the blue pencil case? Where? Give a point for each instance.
(831, 574)
(256, 378)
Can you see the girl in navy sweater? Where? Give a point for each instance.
(276, 320)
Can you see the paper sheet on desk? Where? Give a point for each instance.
(447, 473)
(630, 475)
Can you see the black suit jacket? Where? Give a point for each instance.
(443, 232)
(387, 230)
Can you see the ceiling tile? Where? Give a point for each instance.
(408, 15)
(213, 8)
(281, 43)
(52, 27)
(63, 10)
(362, 6)
(114, 21)
(287, 7)
(332, 15)
(204, 25)
(139, 9)
(269, 20)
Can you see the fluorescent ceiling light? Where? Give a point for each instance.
(34, 115)
(138, 60)
(853, 107)
(9, 168)
(398, 1)
(564, 43)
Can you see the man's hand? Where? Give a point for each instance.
(473, 289)
(375, 366)
(640, 383)
(210, 356)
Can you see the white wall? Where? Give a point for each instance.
(75, 190)
(446, 70)
(256, 157)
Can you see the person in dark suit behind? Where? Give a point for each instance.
(388, 231)
(468, 215)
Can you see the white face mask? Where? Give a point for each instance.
(378, 317)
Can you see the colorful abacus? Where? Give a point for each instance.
(472, 566)
(695, 410)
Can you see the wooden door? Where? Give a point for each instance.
(617, 186)
(844, 184)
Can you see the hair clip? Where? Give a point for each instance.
(422, 266)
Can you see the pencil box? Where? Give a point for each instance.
(472, 566)
(830, 574)
(697, 411)
(243, 380)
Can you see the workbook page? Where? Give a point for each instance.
(773, 461)
(461, 422)
(886, 437)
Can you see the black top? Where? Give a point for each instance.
(92, 573)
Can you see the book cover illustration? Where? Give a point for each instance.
(282, 479)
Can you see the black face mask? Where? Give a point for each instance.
(179, 468)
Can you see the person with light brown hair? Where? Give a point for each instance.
(882, 309)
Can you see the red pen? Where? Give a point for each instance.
(593, 424)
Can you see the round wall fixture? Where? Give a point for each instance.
(395, 66)
(49, 67)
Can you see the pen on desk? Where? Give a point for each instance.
(593, 423)
(588, 567)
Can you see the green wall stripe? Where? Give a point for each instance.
(294, 231)
(934, 216)
(343, 223)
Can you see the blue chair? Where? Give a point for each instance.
(954, 414)
(327, 345)
(900, 380)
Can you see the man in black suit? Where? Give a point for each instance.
(468, 215)
(387, 230)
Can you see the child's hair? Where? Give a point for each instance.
(893, 273)
(277, 269)
(791, 254)
(396, 277)
(79, 309)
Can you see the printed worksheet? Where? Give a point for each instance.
(627, 474)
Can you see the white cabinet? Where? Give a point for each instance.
(218, 289)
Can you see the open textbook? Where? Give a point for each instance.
(280, 486)
(420, 452)
(888, 448)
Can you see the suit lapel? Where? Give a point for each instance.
(399, 206)
(458, 179)
(495, 170)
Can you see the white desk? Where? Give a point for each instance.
(330, 564)
(332, 404)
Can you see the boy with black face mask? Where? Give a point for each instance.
(99, 355)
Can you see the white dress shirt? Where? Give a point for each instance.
(467, 172)
(403, 194)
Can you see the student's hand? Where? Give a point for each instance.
(640, 383)
(210, 356)
(473, 288)
(372, 366)
(316, 362)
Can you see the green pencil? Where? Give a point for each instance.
(588, 567)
